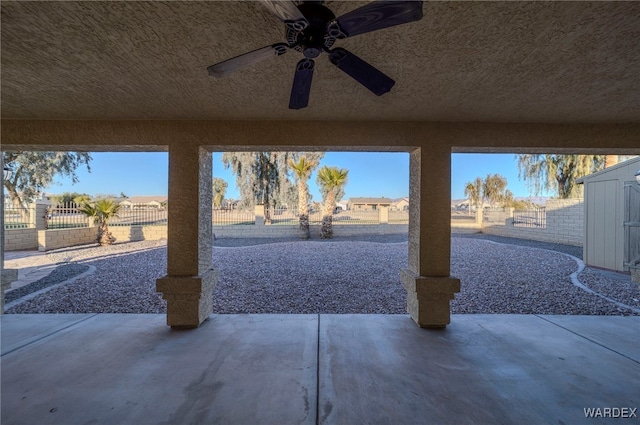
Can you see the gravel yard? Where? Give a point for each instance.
(341, 276)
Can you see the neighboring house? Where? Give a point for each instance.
(144, 201)
(612, 217)
(342, 205)
(368, 204)
(401, 205)
(229, 204)
(41, 198)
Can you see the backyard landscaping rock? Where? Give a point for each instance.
(340, 276)
(59, 274)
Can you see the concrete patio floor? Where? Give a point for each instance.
(326, 369)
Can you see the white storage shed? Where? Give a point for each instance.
(612, 217)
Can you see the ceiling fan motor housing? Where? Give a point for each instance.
(314, 39)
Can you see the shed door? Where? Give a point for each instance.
(631, 226)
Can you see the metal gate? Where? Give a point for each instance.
(631, 226)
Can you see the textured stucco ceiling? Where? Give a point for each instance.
(464, 61)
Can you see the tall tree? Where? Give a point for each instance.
(34, 171)
(494, 186)
(219, 190)
(263, 177)
(474, 192)
(302, 169)
(331, 180)
(508, 201)
(557, 173)
(258, 177)
(69, 197)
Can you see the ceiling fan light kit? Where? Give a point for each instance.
(311, 29)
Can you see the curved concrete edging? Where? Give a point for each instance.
(32, 295)
(574, 277)
(576, 281)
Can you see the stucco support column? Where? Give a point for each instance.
(429, 286)
(188, 286)
(7, 276)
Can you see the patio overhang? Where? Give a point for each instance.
(131, 76)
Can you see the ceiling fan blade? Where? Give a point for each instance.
(288, 13)
(375, 16)
(301, 84)
(244, 61)
(372, 78)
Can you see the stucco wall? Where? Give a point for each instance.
(565, 224)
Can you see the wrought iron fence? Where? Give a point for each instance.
(64, 216)
(18, 218)
(459, 215)
(227, 217)
(356, 217)
(140, 215)
(67, 215)
(289, 217)
(530, 218)
(283, 216)
(399, 217)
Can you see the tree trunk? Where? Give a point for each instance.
(267, 211)
(303, 208)
(326, 231)
(104, 235)
(17, 204)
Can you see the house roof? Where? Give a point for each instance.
(536, 62)
(370, 201)
(145, 199)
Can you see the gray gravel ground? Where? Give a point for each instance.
(339, 276)
(59, 274)
(576, 251)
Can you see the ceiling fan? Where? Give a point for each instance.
(312, 28)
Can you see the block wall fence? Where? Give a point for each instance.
(564, 225)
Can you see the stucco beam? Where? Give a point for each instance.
(320, 135)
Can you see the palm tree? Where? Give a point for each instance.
(102, 211)
(302, 169)
(331, 181)
(473, 191)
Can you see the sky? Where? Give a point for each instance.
(370, 174)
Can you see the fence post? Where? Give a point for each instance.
(259, 211)
(383, 215)
(40, 219)
(32, 215)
